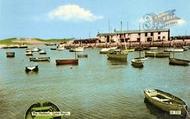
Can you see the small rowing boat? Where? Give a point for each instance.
(166, 101)
(31, 69)
(137, 63)
(66, 62)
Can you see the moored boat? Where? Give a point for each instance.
(106, 50)
(22, 46)
(54, 48)
(50, 44)
(10, 54)
(66, 62)
(175, 61)
(77, 49)
(141, 58)
(45, 110)
(82, 55)
(31, 69)
(40, 59)
(137, 63)
(117, 55)
(157, 54)
(42, 52)
(153, 48)
(36, 49)
(174, 50)
(60, 48)
(29, 53)
(165, 101)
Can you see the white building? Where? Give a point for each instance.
(135, 36)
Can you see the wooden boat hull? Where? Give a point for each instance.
(10, 54)
(66, 62)
(31, 69)
(82, 55)
(174, 50)
(174, 61)
(23, 46)
(104, 52)
(122, 57)
(40, 59)
(53, 48)
(60, 48)
(173, 103)
(42, 52)
(157, 54)
(137, 63)
(42, 107)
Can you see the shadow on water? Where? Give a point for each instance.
(117, 62)
(159, 113)
(31, 73)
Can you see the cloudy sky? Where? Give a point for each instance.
(83, 18)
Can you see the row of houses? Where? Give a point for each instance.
(154, 35)
(135, 36)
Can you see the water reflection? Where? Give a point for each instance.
(117, 62)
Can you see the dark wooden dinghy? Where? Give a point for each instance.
(175, 61)
(165, 101)
(10, 54)
(82, 55)
(45, 109)
(31, 69)
(66, 61)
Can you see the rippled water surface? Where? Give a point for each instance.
(95, 89)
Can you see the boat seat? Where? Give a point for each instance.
(162, 100)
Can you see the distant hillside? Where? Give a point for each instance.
(13, 41)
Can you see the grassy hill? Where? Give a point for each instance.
(14, 41)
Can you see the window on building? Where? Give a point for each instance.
(139, 34)
(108, 39)
(122, 40)
(158, 33)
(145, 34)
(158, 37)
(126, 40)
(138, 39)
(151, 33)
(163, 37)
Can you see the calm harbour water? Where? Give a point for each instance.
(95, 89)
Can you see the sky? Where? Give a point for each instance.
(84, 18)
